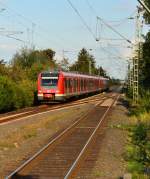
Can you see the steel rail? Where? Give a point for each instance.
(55, 140)
(70, 172)
(43, 110)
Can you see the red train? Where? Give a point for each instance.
(59, 86)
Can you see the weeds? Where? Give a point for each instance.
(138, 149)
(98, 173)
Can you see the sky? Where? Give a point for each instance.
(55, 24)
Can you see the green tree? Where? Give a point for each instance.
(27, 57)
(144, 67)
(4, 70)
(101, 72)
(146, 15)
(84, 62)
(6, 94)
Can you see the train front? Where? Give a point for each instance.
(48, 86)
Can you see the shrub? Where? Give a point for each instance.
(24, 94)
(6, 94)
(15, 95)
(139, 134)
(134, 166)
(138, 151)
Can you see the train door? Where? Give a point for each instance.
(71, 85)
(69, 90)
(79, 86)
(75, 85)
(67, 86)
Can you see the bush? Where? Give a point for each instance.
(6, 94)
(139, 134)
(24, 94)
(15, 96)
(134, 166)
(145, 101)
(138, 151)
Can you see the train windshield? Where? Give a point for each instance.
(49, 82)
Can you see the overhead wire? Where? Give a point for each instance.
(109, 26)
(81, 18)
(113, 29)
(110, 53)
(85, 24)
(32, 23)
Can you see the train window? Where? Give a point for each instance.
(46, 74)
(50, 83)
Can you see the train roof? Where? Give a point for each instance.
(72, 74)
(80, 75)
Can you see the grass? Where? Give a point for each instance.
(138, 148)
(125, 127)
(98, 173)
(140, 176)
(30, 134)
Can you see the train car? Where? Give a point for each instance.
(59, 85)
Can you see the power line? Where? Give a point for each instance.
(114, 30)
(110, 53)
(81, 18)
(109, 26)
(8, 36)
(33, 24)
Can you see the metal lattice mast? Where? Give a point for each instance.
(136, 60)
(130, 75)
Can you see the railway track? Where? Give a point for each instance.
(62, 157)
(45, 108)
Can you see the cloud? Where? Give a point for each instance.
(124, 5)
(8, 47)
(58, 57)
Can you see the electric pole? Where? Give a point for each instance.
(130, 74)
(144, 6)
(90, 70)
(136, 59)
(32, 36)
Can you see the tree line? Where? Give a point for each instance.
(18, 78)
(144, 64)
